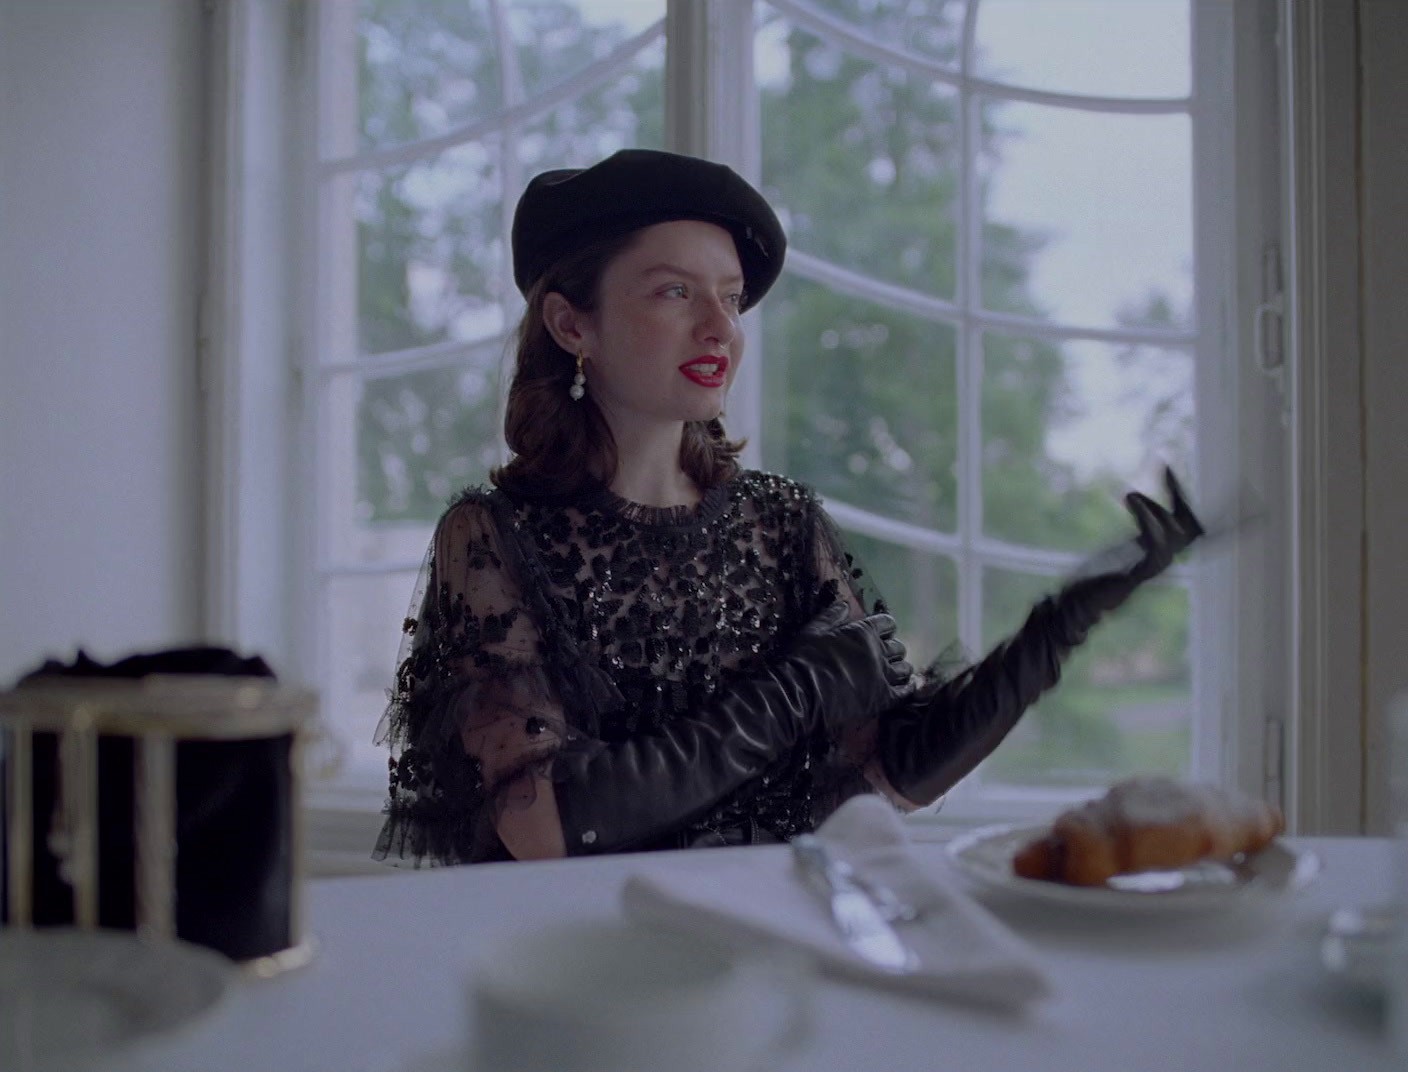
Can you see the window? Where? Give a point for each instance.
(991, 327)
(1011, 295)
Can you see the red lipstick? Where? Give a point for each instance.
(706, 371)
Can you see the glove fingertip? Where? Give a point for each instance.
(1149, 514)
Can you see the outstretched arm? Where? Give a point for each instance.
(938, 737)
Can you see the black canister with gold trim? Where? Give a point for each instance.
(161, 794)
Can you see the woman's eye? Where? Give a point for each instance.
(736, 300)
(676, 291)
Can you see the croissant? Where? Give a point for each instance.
(1148, 824)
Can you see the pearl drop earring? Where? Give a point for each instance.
(579, 382)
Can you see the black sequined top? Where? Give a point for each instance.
(573, 624)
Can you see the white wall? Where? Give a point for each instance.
(99, 195)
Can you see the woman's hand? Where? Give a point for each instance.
(1163, 533)
(927, 745)
(1107, 580)
(864, 662)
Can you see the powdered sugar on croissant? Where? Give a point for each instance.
(1148, 823)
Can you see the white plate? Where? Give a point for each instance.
(986, 856)
(68, 996)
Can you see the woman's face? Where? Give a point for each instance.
(665, 341)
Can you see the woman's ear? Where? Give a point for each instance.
(566, 325)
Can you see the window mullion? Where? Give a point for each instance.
(1214, 643)
(1326, 761)
(711, 110)
(969, 357)
(248, 333)
(513, 181)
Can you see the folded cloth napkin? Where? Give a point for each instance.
(964, 952)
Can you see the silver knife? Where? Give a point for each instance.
(857, 916)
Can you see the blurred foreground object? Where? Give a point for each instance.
(160, 794)
(1398, 809)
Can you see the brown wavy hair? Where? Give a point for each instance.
(561, 447)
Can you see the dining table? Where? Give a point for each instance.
(1239, 987)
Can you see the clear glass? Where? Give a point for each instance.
(933, 29)
(1106, 48)
(432, 236)
(431, 250)
(860, 401)
(362, 616)
(1125, 702)
(556, 40)
(920, 589)
(859, 159)
(427, 67)
(1070, 427)
(1094, 210)
(424, 435)
(628, 112)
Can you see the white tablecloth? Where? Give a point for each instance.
(1225, 991)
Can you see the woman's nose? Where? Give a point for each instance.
(716, 321)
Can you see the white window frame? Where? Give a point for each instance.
(1327, 761)
(255, 330)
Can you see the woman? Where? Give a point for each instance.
(629, 643)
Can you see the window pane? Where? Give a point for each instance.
(428, 67)
(424, 435)
(1068, 428)
(556, 40)
(1124, 705)
(1107, 48)
(860, 160)
(430, 246)
(861, 402)
(362, 618)
(1097, 206)
(920, 589)
(431, 235)
(624, 113)
(933, 29)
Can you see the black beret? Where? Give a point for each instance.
(564, 210)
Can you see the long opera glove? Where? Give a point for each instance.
(930, 742)
(838, 673)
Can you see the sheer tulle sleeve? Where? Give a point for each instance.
(475, 716)
(839, 571)
(841, 575)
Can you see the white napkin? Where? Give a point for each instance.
(964, 952)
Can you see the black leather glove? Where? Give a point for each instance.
(627, 794)
(935, 739)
